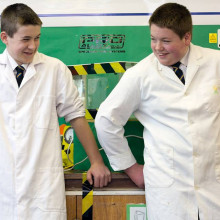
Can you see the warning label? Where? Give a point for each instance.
(212, 38)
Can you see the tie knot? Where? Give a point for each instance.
(20, 69)
(176, 65)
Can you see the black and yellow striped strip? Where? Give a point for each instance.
(100, 68)
(90, 114)
(87, 198)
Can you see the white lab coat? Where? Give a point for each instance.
(181, 134)
(32, 180)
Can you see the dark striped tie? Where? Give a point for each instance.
(178, 71)
(20, 74)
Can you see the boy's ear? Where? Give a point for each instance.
(188, 37)
(4, 37)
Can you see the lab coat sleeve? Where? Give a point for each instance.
(69, 104)
(112, 115)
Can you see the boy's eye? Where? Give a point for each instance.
(166, 41)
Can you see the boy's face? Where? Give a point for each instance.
(24, 44)
(167, 45)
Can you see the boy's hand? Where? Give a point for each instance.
(99, 175)
(135, 172)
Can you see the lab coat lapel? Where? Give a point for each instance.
(8, 72)
(28, 75)
(193, 65)
(31, 71)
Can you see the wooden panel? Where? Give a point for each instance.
(71, 207)
(109, 207)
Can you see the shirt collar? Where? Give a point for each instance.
(13, 63)
(184, 60)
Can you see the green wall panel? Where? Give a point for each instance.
(86, 45)
(66, 44)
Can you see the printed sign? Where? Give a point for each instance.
(94, 43)
(136, 212)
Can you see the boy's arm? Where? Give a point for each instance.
(98, 170)
(135, 172)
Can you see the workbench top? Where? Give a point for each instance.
(120, 182)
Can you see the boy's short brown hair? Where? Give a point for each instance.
(17, 15)
(173, 16)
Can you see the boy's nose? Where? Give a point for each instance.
(159, 46)
(32, 45)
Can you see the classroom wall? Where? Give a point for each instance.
(83, 32)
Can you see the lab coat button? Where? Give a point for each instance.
(195, 154)
(190, 121)
(196, 187)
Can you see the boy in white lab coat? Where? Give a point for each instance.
(179, 107)
(32, 180)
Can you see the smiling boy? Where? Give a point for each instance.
(172, 92)
(32, 180)
(167, 46)
(23, 45)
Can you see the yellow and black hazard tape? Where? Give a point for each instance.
(90, 114)
(100, 68)
(87, 198)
